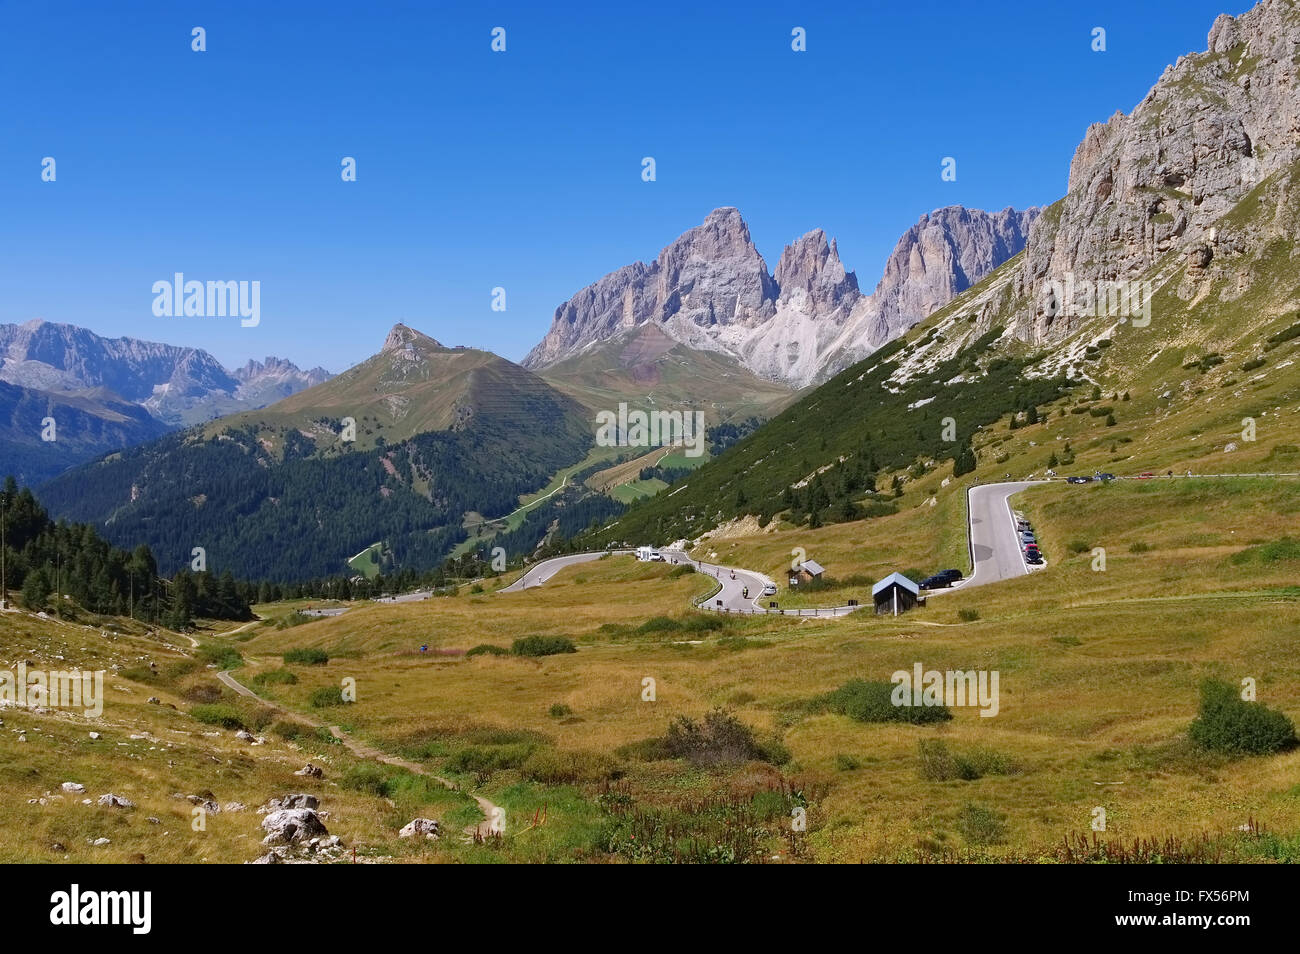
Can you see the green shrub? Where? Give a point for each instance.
(487, 649)
(865, 701)
(1285, 335)
(274, 677)
(644, 750)
(485, 759)
(659, 624)
(557, 767)
(1253, 363)
(219, 713)
(307, 657)
(543, 646)
(967, 615)
(681, 571)
(1079, 546)
(367, 778)
(980, 825)
(290, 729)
(705, 623)
(223, 657)
(1227, 723)
(559, 710)
(718, 739)
(846, 763)
(1284, 549)
(327, 696)
(1140, 547)
(938, 764)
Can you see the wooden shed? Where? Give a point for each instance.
(811, 569)
(896, 594)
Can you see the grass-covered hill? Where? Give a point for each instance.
(650, 371)
(278, 494)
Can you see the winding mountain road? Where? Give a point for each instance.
(991, 530)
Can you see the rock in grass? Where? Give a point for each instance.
(292, 826)
(428, 827)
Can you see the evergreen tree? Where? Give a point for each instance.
(36, 590)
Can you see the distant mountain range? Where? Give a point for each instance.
(105, 394)
(711, 290)
(397, 449)
(177, 385)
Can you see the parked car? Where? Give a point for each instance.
(1105, 476)
(1078, 480)
(940, 580)
(1145, 475)
(1034, 557)
(1028, 537)
(769, 590)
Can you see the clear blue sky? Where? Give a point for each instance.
(519, 169)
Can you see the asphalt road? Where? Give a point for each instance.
(731, 598)
(994, 545)
(539, 574)
(994, 542)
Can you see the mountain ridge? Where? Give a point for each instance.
(177, 384)
(710, 289)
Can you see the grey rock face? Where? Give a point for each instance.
(1142, 185)
(810, 272)
(711, 290)
(946, 252)
(53, 357)
(710, 276)
(175, 384)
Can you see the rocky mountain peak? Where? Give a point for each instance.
(402, 337)
(810, 269)
(710, 290)
(1215, 125)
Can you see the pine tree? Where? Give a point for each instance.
(36, 589)
(965, 462)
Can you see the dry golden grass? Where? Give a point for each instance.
(1099, 678)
